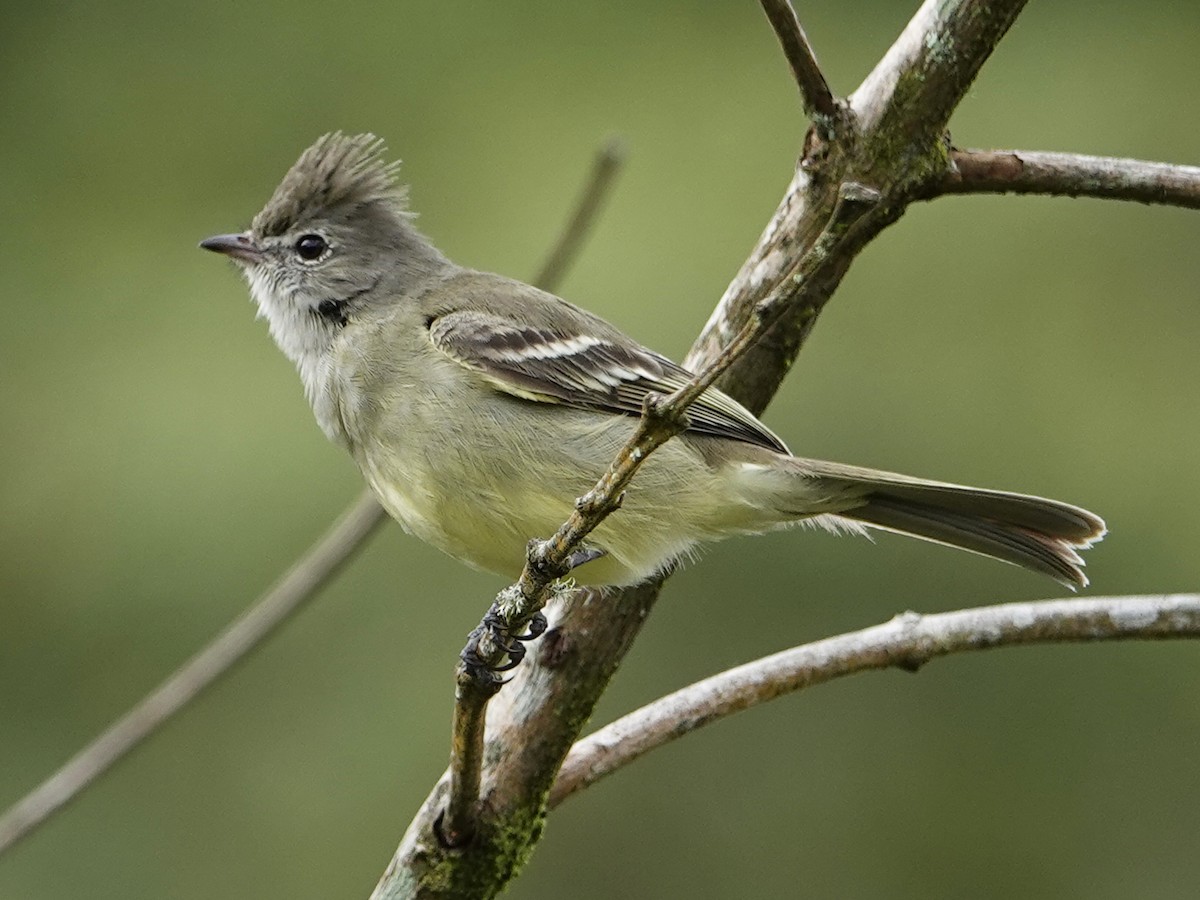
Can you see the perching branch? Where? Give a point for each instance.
(895, 148)
(301, 583)
(662, 419)
(908, 641)
(1069, 175)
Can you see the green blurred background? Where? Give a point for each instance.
(159, 465)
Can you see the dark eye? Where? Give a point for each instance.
(311, 246)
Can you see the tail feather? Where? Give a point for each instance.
(1032, 532)
(1051, 554)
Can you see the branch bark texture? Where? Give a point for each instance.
(1069, 175)
(908, 641)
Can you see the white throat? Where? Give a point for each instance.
(304, 338)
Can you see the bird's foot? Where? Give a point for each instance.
(512, 645)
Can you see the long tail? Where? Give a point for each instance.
(1033, 532)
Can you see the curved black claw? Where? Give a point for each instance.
(537, 627)
(516, 653)
(584, 555)
(513, 645)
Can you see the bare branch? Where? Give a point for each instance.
(1069, 175)
(530, 727)
(908, 641)
(299, 585)
(819, 105)
(609, 160)
(894, 153)
(307, 575)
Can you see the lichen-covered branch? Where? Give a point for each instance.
(930, 67)
(1069, 175)
(907, 641)
(896, 145)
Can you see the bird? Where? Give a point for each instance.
(478, 407)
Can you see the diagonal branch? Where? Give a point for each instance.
(900, 112)
(1069, 175)
(930, 67)
(609, 160)
(908, 641)
(819, 103)
(299, 585)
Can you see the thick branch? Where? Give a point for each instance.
(1069, 175)
(895, 150)
(819, 104)
(923, 77)
(908, 641)
(900, 112)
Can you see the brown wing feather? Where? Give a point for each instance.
(585, 371)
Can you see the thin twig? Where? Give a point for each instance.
(661, 420)
(1070, 175)
(609, 160)
(819, 104)
(301, 583)
(665, 418)
(290, 593)
(908, 641)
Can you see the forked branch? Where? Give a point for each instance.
(896, 145)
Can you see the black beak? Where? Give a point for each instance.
(237, 247)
